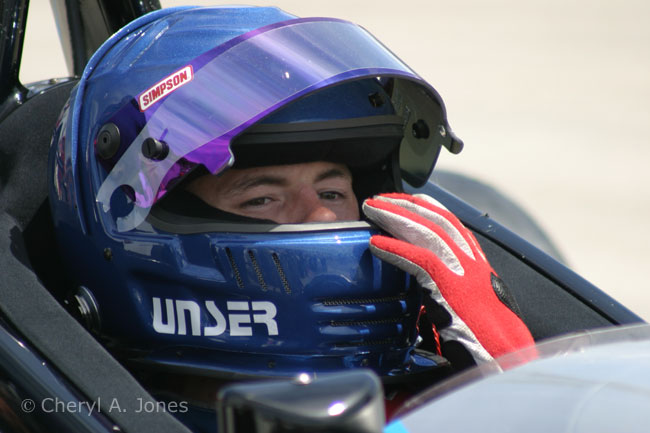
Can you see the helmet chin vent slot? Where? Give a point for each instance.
(283, 277)
(344, 301)
(365, 322)
(235, 269)
(384, 342)
(258, 271)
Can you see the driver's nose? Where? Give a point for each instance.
(312, 209)
(320, 214)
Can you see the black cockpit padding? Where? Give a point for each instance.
(546, 308)
(24, 142)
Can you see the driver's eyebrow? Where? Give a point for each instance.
(257, 180)
(331, 173)
(253, 181)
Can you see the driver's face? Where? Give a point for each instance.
(295, 193)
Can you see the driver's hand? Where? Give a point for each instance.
(432, 244)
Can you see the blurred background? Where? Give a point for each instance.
(552, 100)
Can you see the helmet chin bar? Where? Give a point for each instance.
(251, 304)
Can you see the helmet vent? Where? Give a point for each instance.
(235, 270)
(384, 342)
(344, 301)
(258, 271)
(283, 277)
(365, 322)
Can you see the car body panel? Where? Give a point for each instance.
(590, 382)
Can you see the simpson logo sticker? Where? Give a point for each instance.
(164, 87)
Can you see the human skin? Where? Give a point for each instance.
(286, 194)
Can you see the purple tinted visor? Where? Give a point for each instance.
(197, 110)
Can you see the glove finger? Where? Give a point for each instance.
(466, 233)
(431, 209)
(415, 230)
(476, 247)
(414, 260)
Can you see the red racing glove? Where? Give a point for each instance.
(431, 244)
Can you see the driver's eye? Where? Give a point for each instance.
(331, 195)
(258, 201)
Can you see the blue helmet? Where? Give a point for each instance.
(167, 283)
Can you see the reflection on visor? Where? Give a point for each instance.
(234, 86)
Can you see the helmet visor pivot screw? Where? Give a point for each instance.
(108, 141)
(421, 129)
(154, 149)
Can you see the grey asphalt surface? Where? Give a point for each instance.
(550, 97)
